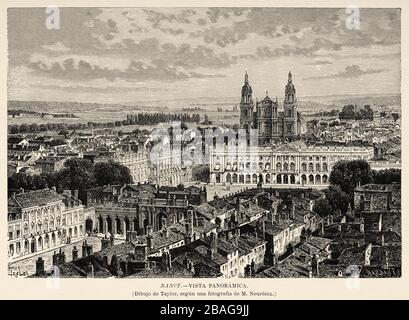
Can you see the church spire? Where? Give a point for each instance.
(246, 78)
(290, 77)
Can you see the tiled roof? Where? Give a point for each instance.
(35, 198)
(177, 271)
(218, 259)
(208, 211)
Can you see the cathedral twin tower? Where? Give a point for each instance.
(272, 125)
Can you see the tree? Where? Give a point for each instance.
(77, 174)
(322, 207)
(348, 174)
(395, 116)
(63, 132)
(111, 173)
(201, 173)
(337, 199)
(387, 176)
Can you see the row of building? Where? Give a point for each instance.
(295, 163)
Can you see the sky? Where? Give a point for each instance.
(146, 54)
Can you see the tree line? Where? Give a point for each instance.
(158, 117)
(131, 119)
(352, 112)
(77, 174)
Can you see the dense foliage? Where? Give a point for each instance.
(352, 112)
(348, 174)
(77, 174)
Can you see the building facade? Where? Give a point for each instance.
(119, 209)
(291, 164)
(163, 169)
(41, 220)
(272, 124)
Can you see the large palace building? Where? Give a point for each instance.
(292, 164)
(272, 124)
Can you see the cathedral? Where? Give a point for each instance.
(272, 125)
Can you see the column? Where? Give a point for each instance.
(114, 226)
(105, 225)
(123, 226)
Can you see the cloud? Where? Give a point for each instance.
(71, 69)
(352, 71)
(94, 89)
(58, 46)
(183, 55)
(319, 63)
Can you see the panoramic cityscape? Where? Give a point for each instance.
(204, 143)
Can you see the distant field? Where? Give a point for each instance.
(98, 112)
(109, 116)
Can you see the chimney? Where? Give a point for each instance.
(187, 229)
(13, 195)
(213, 241)
(385, 260)
(75, 194)
(21, 190)
(278, 217)
(195, 220)
(362, 226)
(149, 242)
(264, 230)
(90, 270)
(210, 254)
(293, 212)
(74, 253)
(67, 193)
(380, 222)
(315, 266)
(39, 267)
(104, 244)
(54, 189)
